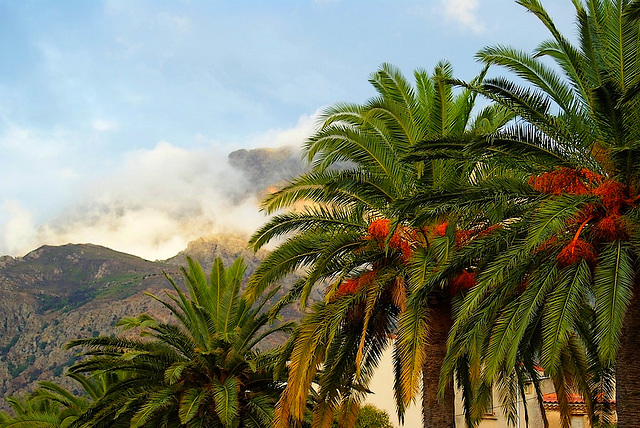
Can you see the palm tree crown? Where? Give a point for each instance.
(204, 370)
(52, 406)
(342, 226)
(563, 271)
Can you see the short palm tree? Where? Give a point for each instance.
(203, 370)
(342, 227)
(36, 411)
(564, 271)
(52, 406)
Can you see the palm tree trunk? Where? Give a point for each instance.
(628, 366)
(437, 413)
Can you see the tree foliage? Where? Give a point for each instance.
(341, 225)
(370, 416)
(52, 406)
(202, 370)
(561, 274)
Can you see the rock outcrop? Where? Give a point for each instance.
(58, 293)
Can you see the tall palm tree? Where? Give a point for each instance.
(342, 227)
(492, 210)
(204, 370)
(567, 268)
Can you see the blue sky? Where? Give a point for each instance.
(116, 116)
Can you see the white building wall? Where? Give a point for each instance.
(382, 397)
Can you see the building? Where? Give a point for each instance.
(383, 398)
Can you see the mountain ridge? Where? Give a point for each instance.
(57, 293)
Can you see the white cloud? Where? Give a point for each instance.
(19, 141)
(157, 201)
(17, 228)
(41, 168)
(464, 12)
(287, 137)
(68, 174)
(102, 125)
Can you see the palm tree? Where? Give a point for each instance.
(204, 370)
(564, 271)
(52, 406)
(342, 227)
(36, 411)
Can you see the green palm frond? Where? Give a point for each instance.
(614, 281)
(157, 402)
(179, 372)
(227, 404)
(412, 338)
(309, 219)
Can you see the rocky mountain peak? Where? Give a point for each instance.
(58, 293)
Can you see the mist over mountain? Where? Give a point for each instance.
(167, 203)
(266, 169)
(170, 197)
(161, 199)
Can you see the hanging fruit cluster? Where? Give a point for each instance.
(565, 180)
(403, 238)
(462, 282)
(378, 231)
(604, 216)
(463, 236)
(354, 285)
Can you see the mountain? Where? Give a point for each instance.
(267, 169)
(58, 293)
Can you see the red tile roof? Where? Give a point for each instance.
(573, 399)
(553, 398)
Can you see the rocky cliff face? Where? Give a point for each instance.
(227, 247)
(55, 294)
(267, 169)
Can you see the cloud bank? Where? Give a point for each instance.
(158, 199)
